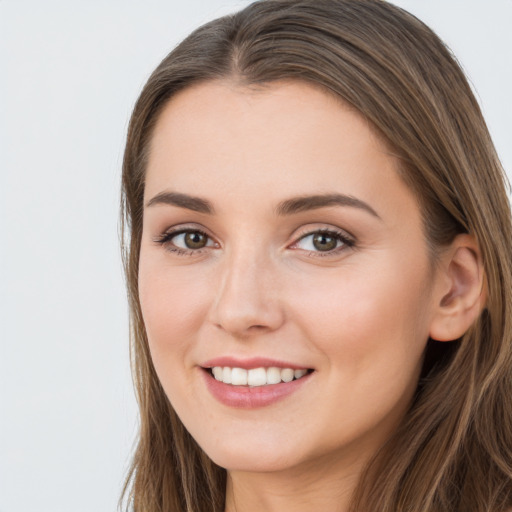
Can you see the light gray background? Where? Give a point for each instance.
(70, 72)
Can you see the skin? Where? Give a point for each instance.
(359, 315)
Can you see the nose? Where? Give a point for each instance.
(247, 300)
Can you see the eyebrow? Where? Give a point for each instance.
(195, 204)
(287, 207)
(305, 203)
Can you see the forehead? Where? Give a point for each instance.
(284, 139)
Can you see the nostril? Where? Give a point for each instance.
(244, 304)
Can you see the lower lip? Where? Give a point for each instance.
(245, 397)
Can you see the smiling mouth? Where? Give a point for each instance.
(256, 376)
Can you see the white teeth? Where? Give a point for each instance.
(226, 375)
(218, 372)
(273, 375)
(238, 377)
(286, 374)
(299, 373)
(256, 376)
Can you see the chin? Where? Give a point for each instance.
(255, 458)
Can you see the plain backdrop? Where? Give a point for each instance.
(70, 72)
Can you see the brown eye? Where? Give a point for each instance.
(195, 240)
(324, 242)
(187, 241)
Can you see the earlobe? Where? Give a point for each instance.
(460, 294)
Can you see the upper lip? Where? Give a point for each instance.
(250, 363)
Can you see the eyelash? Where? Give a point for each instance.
(347, 242)
(165, 240)
(340, 236)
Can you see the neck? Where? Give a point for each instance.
(320, 486)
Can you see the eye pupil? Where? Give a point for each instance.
(324, 242)
(195, 240)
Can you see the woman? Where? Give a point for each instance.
(319, 270)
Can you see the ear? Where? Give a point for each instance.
(459, 293)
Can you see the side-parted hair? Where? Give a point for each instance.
(453, 450)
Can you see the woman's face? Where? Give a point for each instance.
(278, 236)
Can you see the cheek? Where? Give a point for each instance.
(371, 333)
(173, 306)
(366, 317)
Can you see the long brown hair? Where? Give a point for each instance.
(453, 450)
